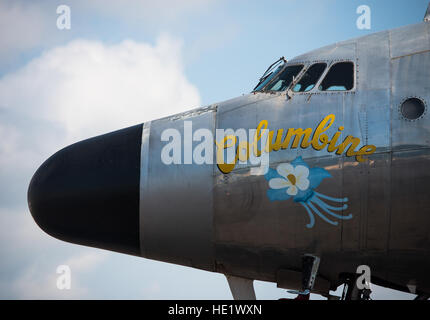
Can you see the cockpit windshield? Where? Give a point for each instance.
(264, 81)
(271, 71)
(283, 80)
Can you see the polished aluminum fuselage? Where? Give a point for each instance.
(195, 215)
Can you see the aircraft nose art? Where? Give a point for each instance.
(88, 192)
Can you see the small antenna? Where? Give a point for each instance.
(427, 16)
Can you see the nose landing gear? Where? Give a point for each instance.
(352, 292)
(310, 264)
(354, 288)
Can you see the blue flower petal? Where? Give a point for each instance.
(316, 176)
(303, 196)
(278, 194)
(299, 161)
(272, 173)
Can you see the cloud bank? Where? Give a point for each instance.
(70, 93)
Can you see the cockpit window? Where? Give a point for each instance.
(340, 77)
(310, 78)
(267, 78)
(284, 79)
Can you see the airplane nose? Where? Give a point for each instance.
(88, 192)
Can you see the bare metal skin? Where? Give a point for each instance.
(348, 209)
(230, 226)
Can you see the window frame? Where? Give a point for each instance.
(309, 65)
(333, 63)
(299, 76)
(329, 63)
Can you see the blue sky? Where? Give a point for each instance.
(238, 38)
(50, 96)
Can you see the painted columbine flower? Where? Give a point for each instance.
(297, 180)
(293, 178)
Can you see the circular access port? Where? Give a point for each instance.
(412, 108)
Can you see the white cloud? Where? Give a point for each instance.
(89, 88)
(152, 291)
(29, 258)
(26, 25)
(18, 228)
(79, 90)
(70, 93)
(86, 261)
(23, 26)
(39, 280)
(39, 283)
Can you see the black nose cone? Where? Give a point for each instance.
(88, 193)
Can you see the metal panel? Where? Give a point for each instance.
(409, 223)
(247, 224)
(340, 50)
(177, 227)
(409, 240)
(374, 68)
(144, 177)
(410, 78)
(367, 184)
(409, 40)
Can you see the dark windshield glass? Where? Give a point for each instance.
(284, 79)
(340, 77)
(310, 78)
